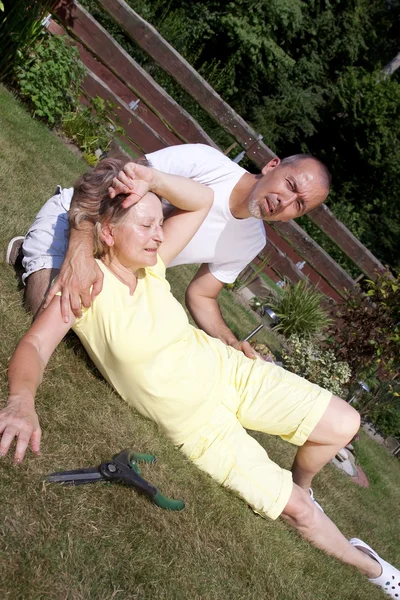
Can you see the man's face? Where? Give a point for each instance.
(285, 192)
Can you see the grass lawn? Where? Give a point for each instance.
(102, 541)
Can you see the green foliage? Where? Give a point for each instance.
(50, 80)
(365, 109)
(92, 128)
(305, 75)
(299, 310)
(20, 27)
(305, 358)
(382, 407)
(366, 332)
(387, 420)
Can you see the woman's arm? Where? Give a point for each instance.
(191, 199)
(19, 419)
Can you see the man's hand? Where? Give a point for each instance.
(249, 351)
(134, 180)
(245, 348)
(19, 420)
(78, 274)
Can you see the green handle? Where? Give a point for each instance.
(137, 457)
(147, 458)
(168, 503)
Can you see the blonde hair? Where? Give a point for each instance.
(92, 203)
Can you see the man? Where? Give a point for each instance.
(230, 237)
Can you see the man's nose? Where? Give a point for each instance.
(287, 199)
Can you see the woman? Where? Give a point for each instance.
(200, 391)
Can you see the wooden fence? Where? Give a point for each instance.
(158, 121)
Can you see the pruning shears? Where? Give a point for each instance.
(122, 468)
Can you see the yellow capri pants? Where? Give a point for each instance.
(267, 398)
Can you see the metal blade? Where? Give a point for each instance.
(78, 476)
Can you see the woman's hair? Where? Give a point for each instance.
(92, 203)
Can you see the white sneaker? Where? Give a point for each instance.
(389, 579)
(310, 491)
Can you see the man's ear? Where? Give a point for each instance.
(274, 162)
(107, 234)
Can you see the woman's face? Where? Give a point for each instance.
(138, 237)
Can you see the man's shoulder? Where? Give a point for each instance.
(193, 160)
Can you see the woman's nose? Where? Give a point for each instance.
(159, 234)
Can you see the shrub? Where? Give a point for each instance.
(367, 330)
(299, 310)
(92, 128)
(387, 420)
(20, 27)
(382, 406)
(50, 80)
(305, 358)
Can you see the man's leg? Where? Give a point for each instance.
(37, 287)
(338, 425)
(317, 528)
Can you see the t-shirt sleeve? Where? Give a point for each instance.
(196, 161)
(228, 272)
(159, 268)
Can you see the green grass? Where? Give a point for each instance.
(271, 284)
(102, 541)
(240, 320)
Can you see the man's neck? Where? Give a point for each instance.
(238, 200)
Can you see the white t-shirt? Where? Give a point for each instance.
(225, 243)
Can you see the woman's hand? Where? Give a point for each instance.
(135, 181)
(19, 420)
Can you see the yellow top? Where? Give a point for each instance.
(145, 347)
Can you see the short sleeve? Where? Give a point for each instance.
(196, 161)
(159, 269)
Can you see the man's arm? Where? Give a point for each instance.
(78, 273)
(201, 300)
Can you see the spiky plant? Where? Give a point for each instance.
(299, 309)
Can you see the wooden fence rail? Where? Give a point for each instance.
(346, 241)
(103, 82)
(168, 120)
(84, 28)
(147, 37)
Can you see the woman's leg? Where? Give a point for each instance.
(278, 402)
(319, 530)
(338, 425)
(224, 449)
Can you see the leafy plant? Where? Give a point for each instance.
(382, 407)
(92, 128)
(256, 304)
(367, 330)
(50, 80)
(305, 358)
(299, 310)
(20, 28)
